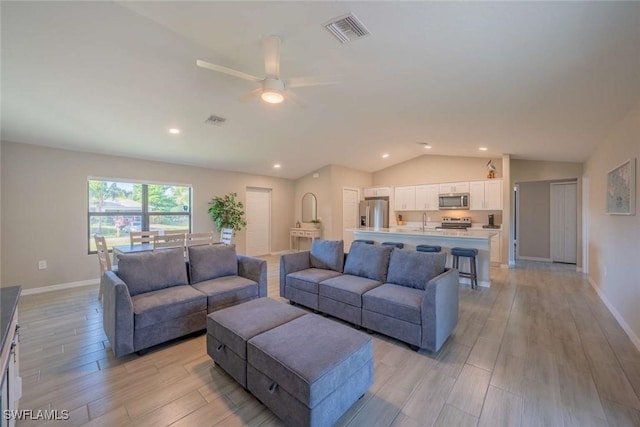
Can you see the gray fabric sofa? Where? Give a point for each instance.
(407, 295)
(151, 298)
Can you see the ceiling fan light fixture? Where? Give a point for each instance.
(272, 97)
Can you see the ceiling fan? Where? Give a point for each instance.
(273, 90)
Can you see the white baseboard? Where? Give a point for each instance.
(287, 251)
(632, 336)
(61, 286)
(533, 258)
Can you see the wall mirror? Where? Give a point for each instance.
(309, 204)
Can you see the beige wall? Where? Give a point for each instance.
(327, 187)
(614, 240)
(534, 237)
(534, 170)
(429, 169)
(44, 207)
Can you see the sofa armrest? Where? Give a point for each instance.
(117, 314)
(439, 309)
(254, 269)
(290, 263)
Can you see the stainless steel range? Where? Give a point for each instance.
(455, 223)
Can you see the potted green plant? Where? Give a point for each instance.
(227, 212)
(316, 223)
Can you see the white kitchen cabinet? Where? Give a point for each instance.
(485, 195)
(496, 247)
(427, 197)
(454, 187)
(377, 192)
(405, 198)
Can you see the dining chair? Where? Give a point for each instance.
(139, 237)
(226, 235)
(169, 240)
(103, 258)
(197, 239)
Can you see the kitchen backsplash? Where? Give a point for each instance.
(477, 217)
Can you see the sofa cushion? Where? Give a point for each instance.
(307, 280)
(415, 269)
(327, 254)
(369, 261)
(395, 301)
(347, 288)
(211, 261)
(159, 306)
(152, 270)
(227, 290)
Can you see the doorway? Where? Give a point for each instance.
(258, 212)
(350, 212)
(564, 222)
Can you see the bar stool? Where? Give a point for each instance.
(467, 253)
(397, 245)
(428, 248)
(368, 242)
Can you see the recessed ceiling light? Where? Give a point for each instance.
(277, 166)
(483, 148)
(427, 146)
(385, 155)
(174, 131)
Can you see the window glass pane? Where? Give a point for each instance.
(169, 198)
(108, 196)
(115, 228)
(164, 223)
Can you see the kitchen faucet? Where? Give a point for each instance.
(424, 221)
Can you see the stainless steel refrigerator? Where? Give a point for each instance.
(374, 213)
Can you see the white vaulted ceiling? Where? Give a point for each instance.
(539, 80)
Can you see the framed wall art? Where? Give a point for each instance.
(621, 189)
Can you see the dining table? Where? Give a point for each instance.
(141, 247)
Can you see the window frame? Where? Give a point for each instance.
(144, 214)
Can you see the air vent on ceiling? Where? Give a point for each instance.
(215, 120)
(347, 28)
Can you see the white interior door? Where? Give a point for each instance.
(350, 212)
(258, 211)
(564, 233)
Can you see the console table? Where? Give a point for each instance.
(295, 234)
(10, 381)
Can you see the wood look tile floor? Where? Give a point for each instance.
(537, 349)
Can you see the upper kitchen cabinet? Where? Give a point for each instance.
(405, 198)
(377, 192)
(485, 195)
(427, 197)
(454, 187)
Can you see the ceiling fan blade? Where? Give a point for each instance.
(229, 71)
(291, 96)
(311, 81)
(271, 51)
(252, 94)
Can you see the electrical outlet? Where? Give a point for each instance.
(42, 265)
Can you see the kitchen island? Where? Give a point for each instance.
(412, 237)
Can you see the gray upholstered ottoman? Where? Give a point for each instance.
(229, 329)
(310, 370)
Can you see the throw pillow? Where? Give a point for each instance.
(414, 269)
(153, 270)
(327, 254)
(211, 261)
(370, 261)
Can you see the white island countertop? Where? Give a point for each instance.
(413, 231)
(447, 239)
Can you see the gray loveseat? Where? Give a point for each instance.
(151, 298)
(404, 294)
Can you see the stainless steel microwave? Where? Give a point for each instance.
(454, 201)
